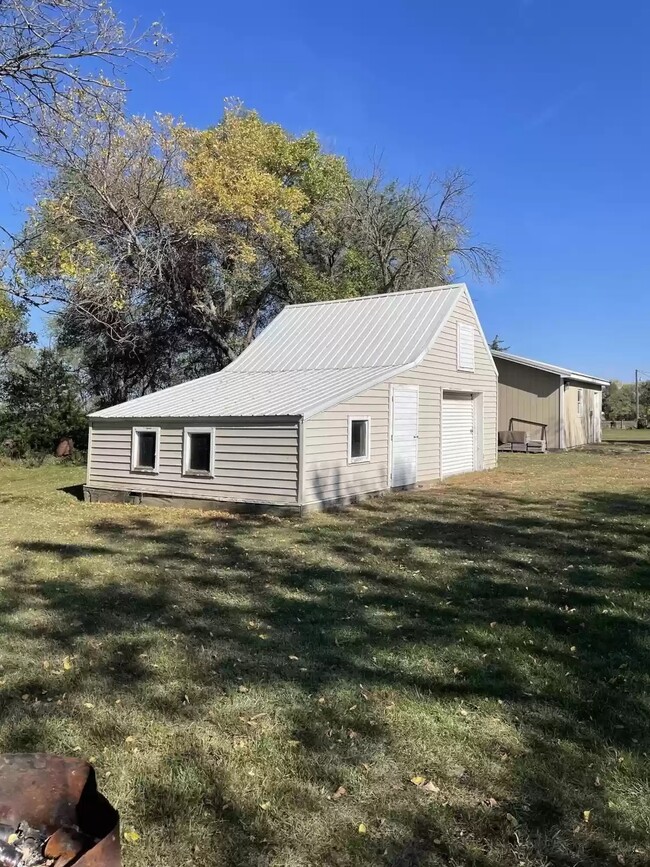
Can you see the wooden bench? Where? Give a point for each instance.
(513, 440)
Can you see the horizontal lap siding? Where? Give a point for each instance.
(328, 476)
(252, 463)
(438, 371)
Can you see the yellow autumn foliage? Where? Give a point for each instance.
(257, 177)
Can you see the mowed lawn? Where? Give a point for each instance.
(619, 435)
(262, 691)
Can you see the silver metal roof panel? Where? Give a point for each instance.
(310, 357)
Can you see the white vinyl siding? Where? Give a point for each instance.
(328, 476)
(253, 462)
(438, 371)
(465, 341)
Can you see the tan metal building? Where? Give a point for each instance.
(543, 398)
(332, 402)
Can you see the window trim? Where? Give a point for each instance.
(135, 448)
(364, 458)
(580, 398)
(198, 474)
(460, 327)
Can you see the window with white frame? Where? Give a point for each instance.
(145, 449)
(358, 439)
(465, 346)
(198, 451)
(581, 402)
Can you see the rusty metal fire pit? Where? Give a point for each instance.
(57, 798)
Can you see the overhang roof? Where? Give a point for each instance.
(563, 372)
(311, 357)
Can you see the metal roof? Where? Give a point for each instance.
(310, 357)
(564, 372)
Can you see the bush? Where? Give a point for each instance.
(42, 404)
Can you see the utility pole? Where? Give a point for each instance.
(636, 388)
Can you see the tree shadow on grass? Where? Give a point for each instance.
(452, 603)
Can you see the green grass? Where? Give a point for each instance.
(618, 435)
(227, 675)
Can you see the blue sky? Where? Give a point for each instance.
(545, 104)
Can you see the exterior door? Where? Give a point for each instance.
(458, 437)
(596, 417)
(404, 435)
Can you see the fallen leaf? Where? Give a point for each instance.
(294, 658)
(513, 821)
(67, 665)
(243, 689)
(131, 836)
(129, 739)
(586, 815)
(88, 704)
(431, 787)
(265, 805)
(339, 793)
(418, 781)
(362, 829)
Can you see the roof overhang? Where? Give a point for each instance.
(563, 372)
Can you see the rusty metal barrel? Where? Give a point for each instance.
(53, 792)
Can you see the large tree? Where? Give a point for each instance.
(52, 52)
(165, 249)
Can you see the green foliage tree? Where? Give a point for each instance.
(14, 333)
(619, 402)
(41, 403)
(166, 249)
(498, 345)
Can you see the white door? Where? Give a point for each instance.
(596, 417)
(404, 435)
(458, 439)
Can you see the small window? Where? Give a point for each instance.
(465, 345)
(145, 443)
(198, 452)
(581, 402)
(358, 440)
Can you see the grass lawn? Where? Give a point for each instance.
(227, 676)
(618, 435)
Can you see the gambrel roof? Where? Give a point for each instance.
(311, 357)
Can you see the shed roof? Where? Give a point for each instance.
(563, 372)
(310, 357)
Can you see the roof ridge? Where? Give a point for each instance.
(441, 288)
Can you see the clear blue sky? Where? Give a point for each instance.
(545, 103)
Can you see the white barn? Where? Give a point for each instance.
(334, 401)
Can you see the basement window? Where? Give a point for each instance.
(358, 440)
(198, 451)
(145, 449)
